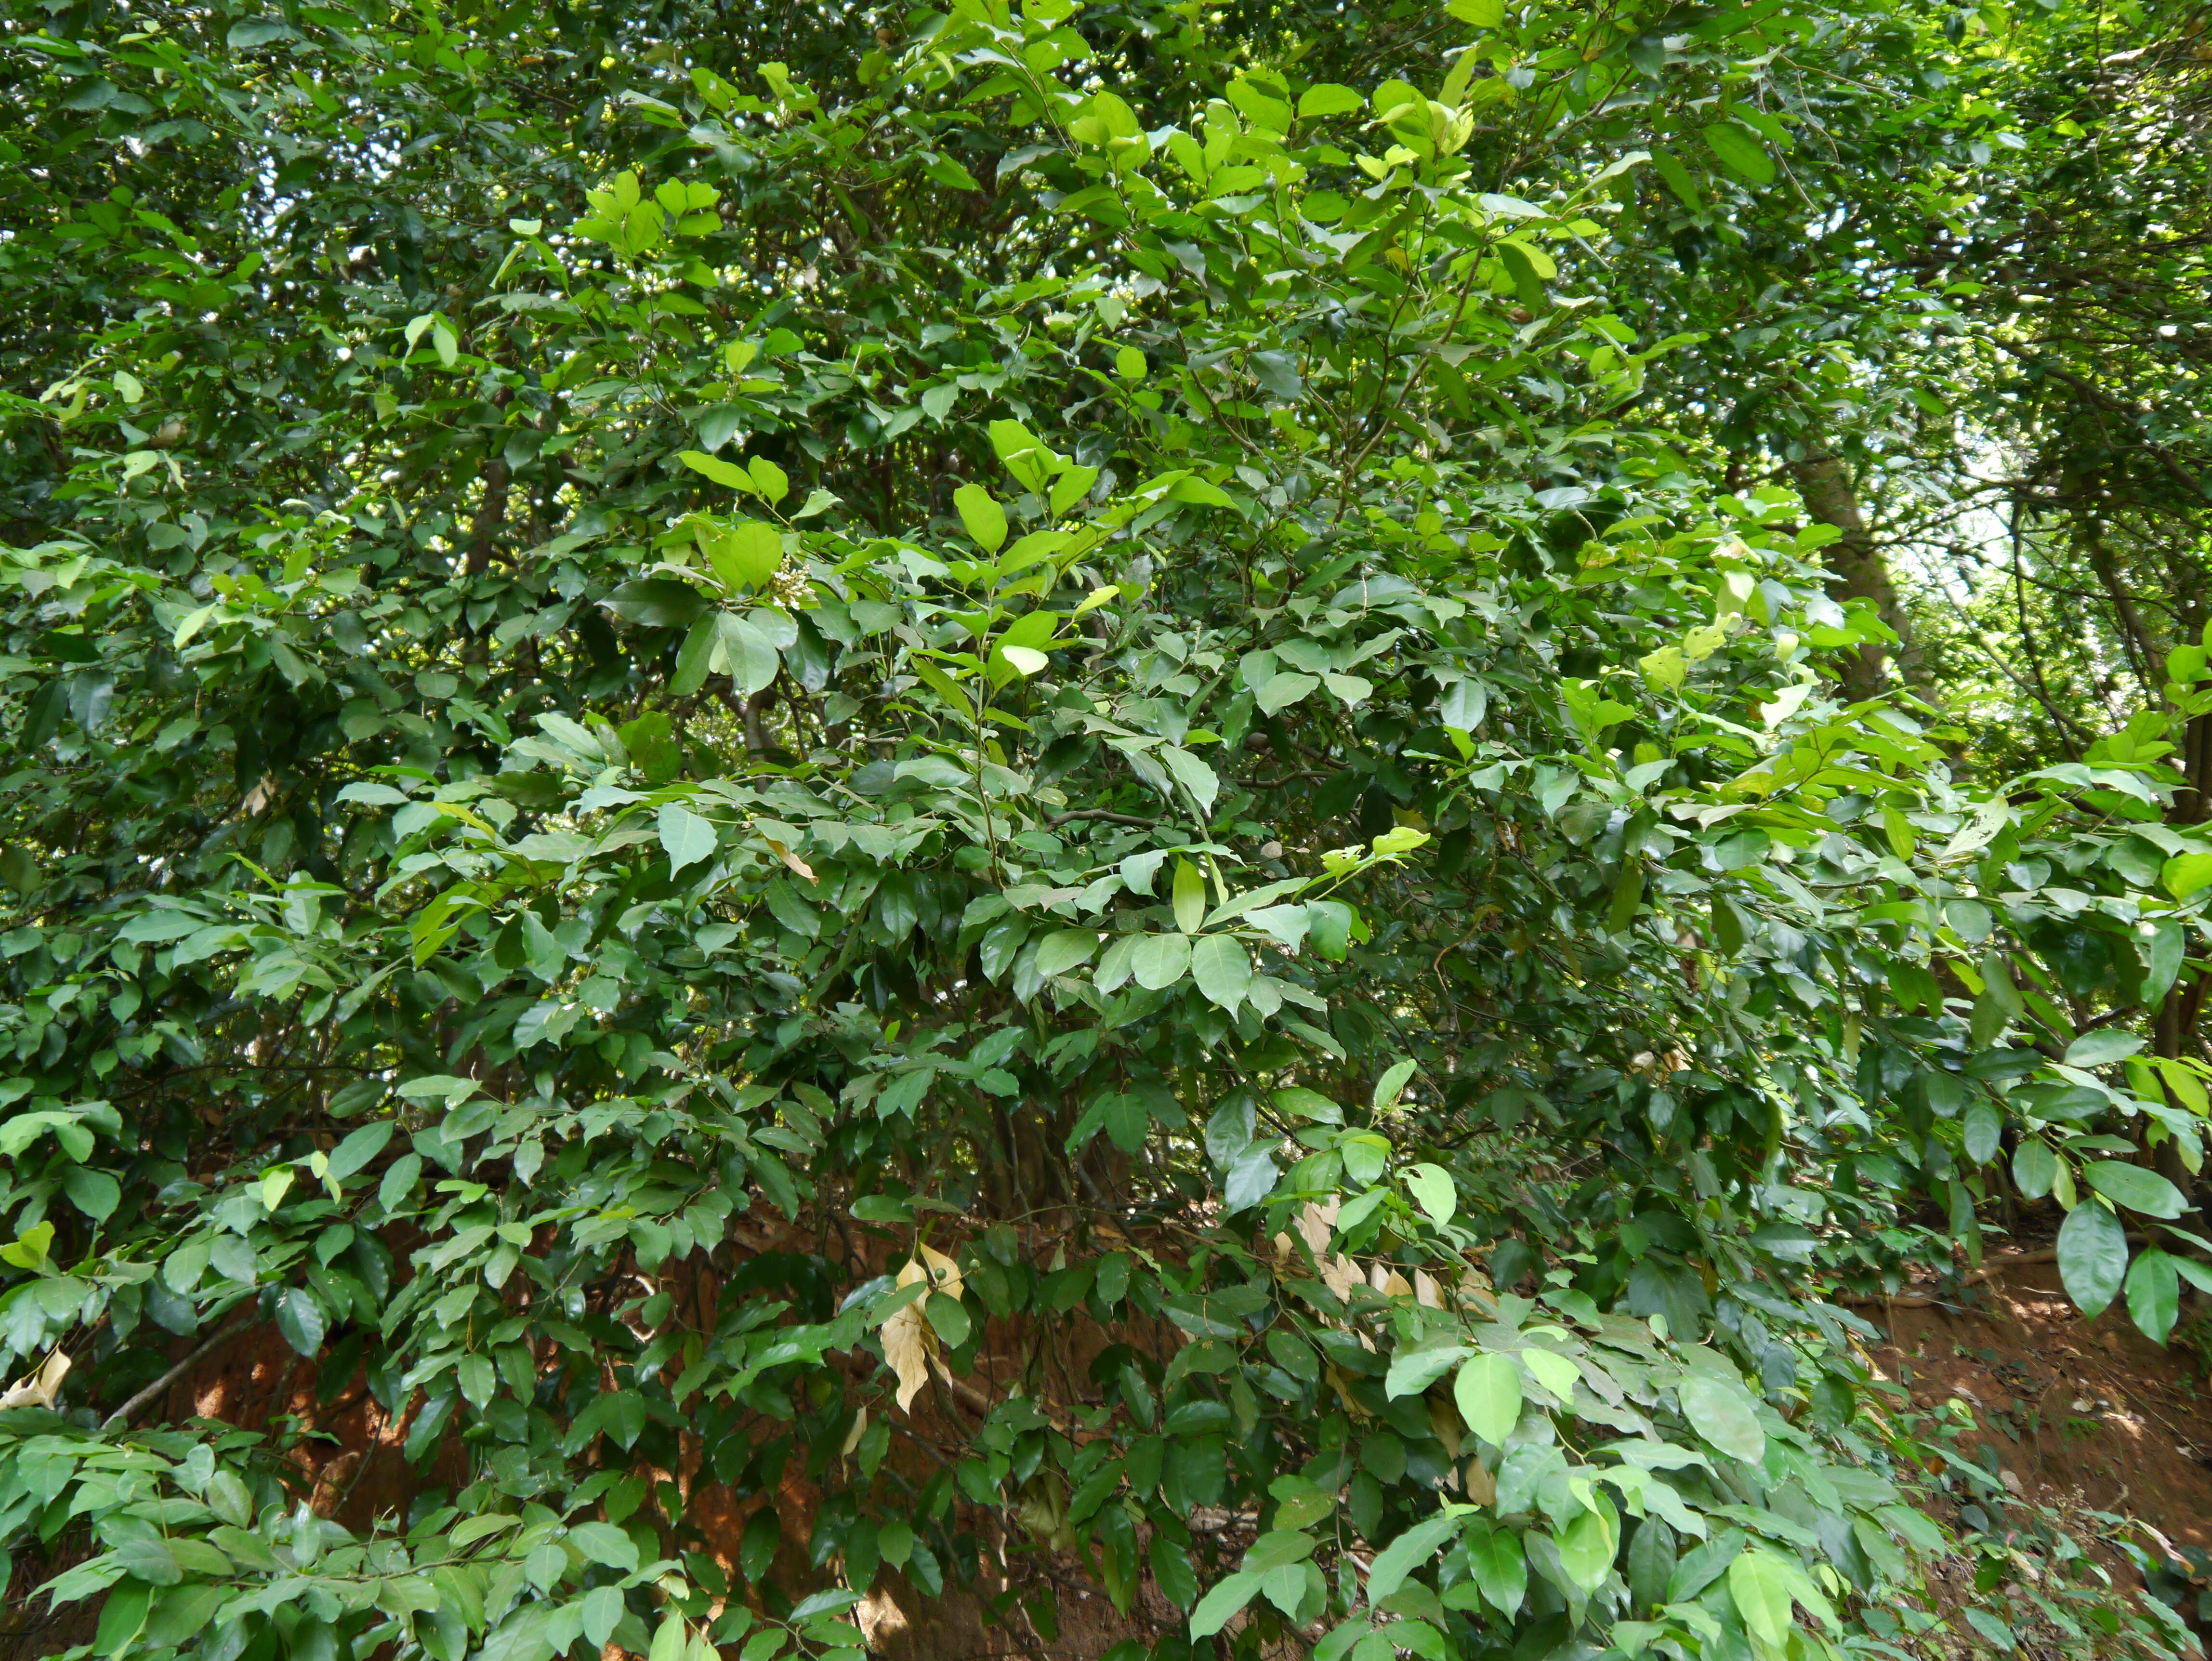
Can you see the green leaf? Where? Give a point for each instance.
(2186, 874)
(657, 603)
(399, 1184)
(1413, 1370)
(1589, 1542)
(1193, 775)
(1330, 923)
(747, 555)
(1393, 1081)
(1160, 960)
(1283, 692)
(1171, 1569)
(1741, 153)
(1229, 1595)
(123, 1614)
(949, 172)
(695, 658)
(985, 518)
(1983, 1129)
(650, 740)
(2162, 956)
(1526, 264)
(1627, 898)
(1432, 1189)
(604, 1543)
(725, 473)
(2033, 1167)
(948, 1318)
(1488, 1393)
(1222, 970)
(149, 1559)
(2105, 1045)
(770, 480)
(2093, 1256)
(2153, 1287)
(603, 1607)
(1501, 1569)
(1669, 167)
(686, 837)
(1557, 1373)
(1398, 1559)
(2132, 1186)
(94, 1193)
(299, 1319)
(359, 1147)
(477, 1379)
(1251, 1178)
(1189, 897)
(1067, 949)
(1760, 1590)
(753, 661)
(1723, 1415)
(1326, 98)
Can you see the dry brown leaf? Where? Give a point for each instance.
(790, 859)
(1444, 1419)
(907, 1338)
(1340, 1274)
(1481, 1486)
(38, 1389)
(1315, 1223)
(944, 1273)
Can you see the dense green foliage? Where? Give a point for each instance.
(1083, 776)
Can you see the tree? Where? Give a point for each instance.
(828, 753)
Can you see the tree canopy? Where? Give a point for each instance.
(843, 804)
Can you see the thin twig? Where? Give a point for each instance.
(122, 1414)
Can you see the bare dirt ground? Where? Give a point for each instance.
(2086, 1412)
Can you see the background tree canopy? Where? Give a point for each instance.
(1218, 806)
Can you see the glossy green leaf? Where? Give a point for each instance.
(2092, 1256)
(2135, 1188)
(2035, 1166)
(2154, 1289)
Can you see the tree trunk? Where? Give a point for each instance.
(1858, 571)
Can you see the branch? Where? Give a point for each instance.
(122, 1416)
